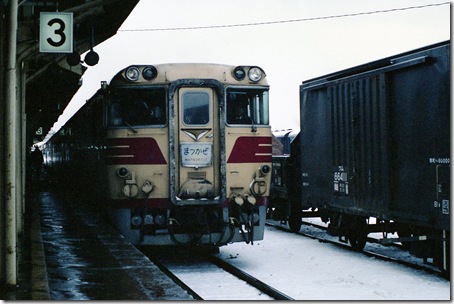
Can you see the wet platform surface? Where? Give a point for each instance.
(86, 259)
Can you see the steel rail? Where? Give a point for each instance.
(265, 288)
(218, 262)
(173, 277)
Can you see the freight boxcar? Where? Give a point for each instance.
(375, 143)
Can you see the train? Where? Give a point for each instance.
(178, 153)
(373, 154)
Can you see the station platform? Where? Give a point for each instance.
(72, 253)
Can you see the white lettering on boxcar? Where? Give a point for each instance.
(439, 160)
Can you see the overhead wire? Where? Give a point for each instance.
(284, 21)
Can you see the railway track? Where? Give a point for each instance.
(207, 277)
(392, 252)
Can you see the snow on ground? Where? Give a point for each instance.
(307, 269)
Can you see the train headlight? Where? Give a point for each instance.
(122, 172)
(149, 73)
(132, 74)
(265, 169)
(255, 74)
(239, 73)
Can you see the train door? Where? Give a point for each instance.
(197, 160)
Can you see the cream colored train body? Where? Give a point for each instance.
(187, 153)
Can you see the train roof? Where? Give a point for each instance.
(373, 65)
(169, 72)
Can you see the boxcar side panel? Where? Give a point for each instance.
(419, 101)
(377, 142)
(316, 148)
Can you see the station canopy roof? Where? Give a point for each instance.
(50, 80)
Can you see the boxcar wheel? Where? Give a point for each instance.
(357, 234)
(294, 219)
(357, 242)
(294, 223)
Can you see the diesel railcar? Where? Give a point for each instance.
(375, 144)
(179, 153)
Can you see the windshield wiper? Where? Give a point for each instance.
(253, 126)
(130, 127)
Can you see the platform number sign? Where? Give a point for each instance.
(56, 32)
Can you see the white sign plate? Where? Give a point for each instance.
(196, 154)
(56, 32)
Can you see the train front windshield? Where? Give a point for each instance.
(247, 106)
(137, 107)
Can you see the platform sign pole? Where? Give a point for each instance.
(11, 150)
(24, 149)
(20, 198)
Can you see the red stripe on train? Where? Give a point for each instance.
(134, 151)
(251, 149)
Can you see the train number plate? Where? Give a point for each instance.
(196, 154)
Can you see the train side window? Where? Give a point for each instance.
(137, 107)
(114, 114)
(195, 108)
(247, 106)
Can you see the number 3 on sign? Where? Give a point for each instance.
(56, 32)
